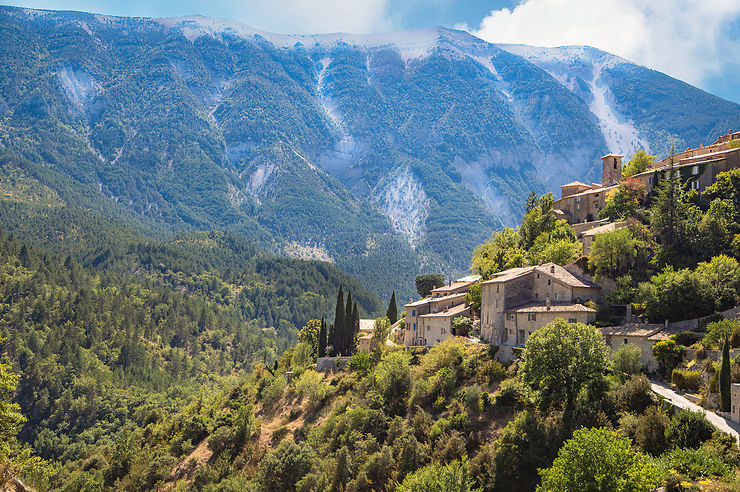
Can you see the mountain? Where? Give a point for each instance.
(385, 154)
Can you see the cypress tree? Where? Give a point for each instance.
(392, 312)
(339, 322)
(348, 337)
(322, 339)
(725, 379)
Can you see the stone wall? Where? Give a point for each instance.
(332, 364)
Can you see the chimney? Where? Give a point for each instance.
(548, 304)
(666, 323)
(701, 145)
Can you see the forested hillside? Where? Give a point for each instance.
(149, 329)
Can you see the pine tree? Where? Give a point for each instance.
(725, 378)
(339, 322)
(392, 312)
(348, 326)
(322, 339)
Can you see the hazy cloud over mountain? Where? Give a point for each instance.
(694, 40)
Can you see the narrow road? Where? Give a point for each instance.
(721, 423)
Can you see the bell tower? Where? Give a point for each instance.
(611, 170)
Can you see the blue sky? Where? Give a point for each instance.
(697, 41)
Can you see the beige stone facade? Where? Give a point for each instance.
(528, 298)
(637, 334)
(429, 320)
(580, 203)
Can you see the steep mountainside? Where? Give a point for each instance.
(382, 153)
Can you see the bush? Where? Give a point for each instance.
(272, 393)
(361, 363)
(438, 478)
(716, 332)
(650, 431)
(311, 385)
(687, 338)
(599, 460)
(627, 360)
(686, 379)
(695, 463)
(392, 378)
(688, 430)
(491, 372)
(635, 395)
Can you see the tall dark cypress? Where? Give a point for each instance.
(322, 339)
(725, 379)
(339, 323)
(348, 337)
(392, 313)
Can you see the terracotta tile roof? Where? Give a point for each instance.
(564, 276)
(632, 330)
(665, 333)
(555, 307)
(612, 154)
(454, 311)
(574, 183)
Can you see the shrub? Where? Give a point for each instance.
(361, 363)
(688, 430)
(392, 378)
(438, 478)
(687, 338)
(650, 431)
(272, 393)
(491, 372)
(686, 379)
(627, 360)
(471, 398)
(635, 395)
(599, 460)
(695, 463)
(717, 330)
(311, 385)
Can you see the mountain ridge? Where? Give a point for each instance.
(384, 153)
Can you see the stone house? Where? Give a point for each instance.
(587, 237)
(429, 320)
(637, 334)
(518, 301)
(580, 203)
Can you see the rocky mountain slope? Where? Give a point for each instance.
(390, 153)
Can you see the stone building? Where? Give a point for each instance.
(429, 320)
(580, 203)
(518, 301)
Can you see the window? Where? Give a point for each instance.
(497, 288)
(694, 185)
(596, 195)
(572, 320)
(538, 275)
(547, 295)
(536, 295)
(695, 170)
(625, 341)
(414, 326)
(496, 303)
(556, 296)
(549, 281)
(442, 331)
(532, 317)
(428, 328)
(413, 312)
(615, 163)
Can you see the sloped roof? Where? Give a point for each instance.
(555, 307)
(632, 330)
(611, 226)
(564, 276)
(451, 312)
(509, 274)
(612, 154)
(575, 183)
(367, 324)
(427, 300)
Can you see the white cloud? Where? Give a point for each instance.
(314, 16)
(688, 39)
